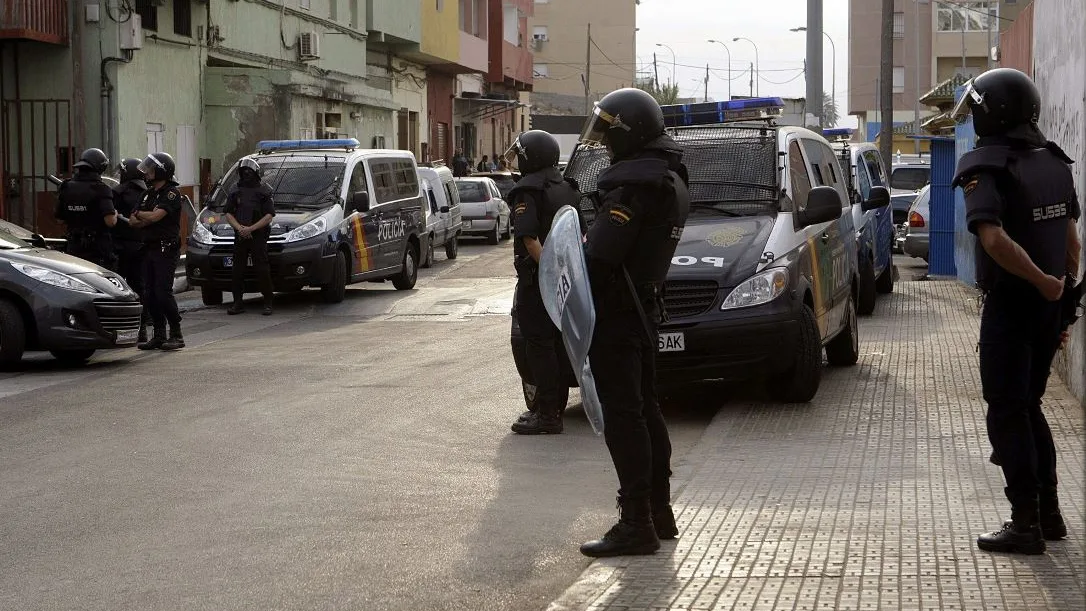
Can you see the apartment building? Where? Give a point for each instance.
(934, 40)
(560, 39)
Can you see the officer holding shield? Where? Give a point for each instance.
(1021, 203)
(644, 203)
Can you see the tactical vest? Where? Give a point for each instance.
(80, 205)
(551, 192)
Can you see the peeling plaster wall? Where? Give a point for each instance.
(1059, 57)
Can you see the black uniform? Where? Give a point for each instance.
(127, 240)
(643, 209)
(162, 244)
(1030, 193)
(83, 203)
(538, 197)
(249, 202)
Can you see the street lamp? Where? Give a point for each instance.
(833, 58)
(729, 65)
(674, 75)
(756, 68)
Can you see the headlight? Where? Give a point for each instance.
(759, 289)
(201, 234)
(311, 229)
(57, 279)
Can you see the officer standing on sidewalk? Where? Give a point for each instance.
(643, 208)
(159, 216)
(85, 206)
(538, 195)
(128, 240)
(250, 210)
(1021, 203)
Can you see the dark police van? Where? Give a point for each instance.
(764, 279)
(342, 215)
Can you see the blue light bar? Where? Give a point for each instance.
(269, 146)
(837, 133)
(712, 113)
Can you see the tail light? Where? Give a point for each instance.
(915, 220)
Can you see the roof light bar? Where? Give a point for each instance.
(712, 113)
(270, 146)
(837, 133)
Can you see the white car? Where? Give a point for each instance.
(441, 209)
(485, 212)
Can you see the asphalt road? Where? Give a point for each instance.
(349, 456)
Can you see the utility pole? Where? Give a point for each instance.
(655, 71)
(706, 82)
(886, 80)
(752, 80)
(814, 62)
(588, 73)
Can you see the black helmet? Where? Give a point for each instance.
(533, 151)
(248, 166)
(157, 166)
(624, 121)
(1003, 101)
(129, 169)
(94, 160)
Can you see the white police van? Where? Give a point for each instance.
(342, 215)
(442, 211)
(765, 275)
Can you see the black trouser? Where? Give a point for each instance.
(257, 248)
(159, 265)
(542, 340)
(1019, 336)
(624, 365)
(130, 257)
(94, 247)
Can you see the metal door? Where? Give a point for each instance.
(35, 141)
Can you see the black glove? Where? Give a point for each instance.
(1070, 304)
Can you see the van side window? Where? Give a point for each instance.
(384, 183)
(433, 201)
(798, 179)
(452, 193)
(863, 180)
(358, 179)
(407, 179)
(874, 167)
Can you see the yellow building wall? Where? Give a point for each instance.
(441, 29)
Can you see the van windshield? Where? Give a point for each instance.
(300, 185)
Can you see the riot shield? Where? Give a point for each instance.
(563, 283)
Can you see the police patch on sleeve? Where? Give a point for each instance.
(620, 215)
(970, 185)
(520, 208)
(171, 195)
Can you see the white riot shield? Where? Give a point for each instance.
(563, 283)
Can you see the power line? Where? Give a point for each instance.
(971, 9)
(604, 54)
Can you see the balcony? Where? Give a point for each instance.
(515, 66)
(41, 20)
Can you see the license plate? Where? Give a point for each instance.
(127, 337)
(671, 342)
(229, 262)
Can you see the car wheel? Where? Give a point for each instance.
(405, 280)
(799, 383)
(844, 350)
(884, 284)
(210, 296)
(495, 237)
(452, 248)
(866, 303)
(508, 230)
(336, 290)
(12, 334)
(429, 260)
(72, 357)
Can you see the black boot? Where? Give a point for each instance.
(155, 342)
(267, 306)
(632, 536)
(1051, 520)
(1019, 535)
(663, 520)
(142, 338)
(538, 423)
(175, 342)
(237, 307)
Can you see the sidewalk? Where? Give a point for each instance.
(870, 497)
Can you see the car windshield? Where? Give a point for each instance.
(9, 241)
(305, 185)
(910, 178)
(472, 191)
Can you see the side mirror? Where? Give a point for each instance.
(444, 209)
(878, 198)
(360, 201)
(823, 206)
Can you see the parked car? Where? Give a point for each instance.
(900, 203)
(505, 179)
(919, 225)
(56, 302)
(343, 215)
(484, 210)
(910, 176)
(444, 218)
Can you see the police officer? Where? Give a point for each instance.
(1021, 203)
(249, 210)
(127, 240)
(643, 208)
(85, 206)
(159, 217)
(539, 194)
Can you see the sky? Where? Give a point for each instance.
(687, 25)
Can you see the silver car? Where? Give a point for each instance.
(484, 211)
(919, 224)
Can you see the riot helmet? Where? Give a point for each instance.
(157, 166)
(624, 121)
(533, 151)
(1003, 101)
(94, 160)
(248, 170)
(129, 169)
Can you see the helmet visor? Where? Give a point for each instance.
(596, 127)
(964, 107)
(150, 165)
(512, 152)
(249, 164)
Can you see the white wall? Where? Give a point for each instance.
(1059, 56)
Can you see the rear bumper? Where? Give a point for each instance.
(293, 266)
(479, 226)
(916, 245)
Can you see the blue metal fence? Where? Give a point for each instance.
(941, 208)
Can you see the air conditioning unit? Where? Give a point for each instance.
(539, 37)
(309, 46)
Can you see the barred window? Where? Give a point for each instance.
(148, 12)
(182, 17)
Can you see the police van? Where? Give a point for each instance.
(442, 211)
(862, 165)
(765, 277)
(342, 215)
